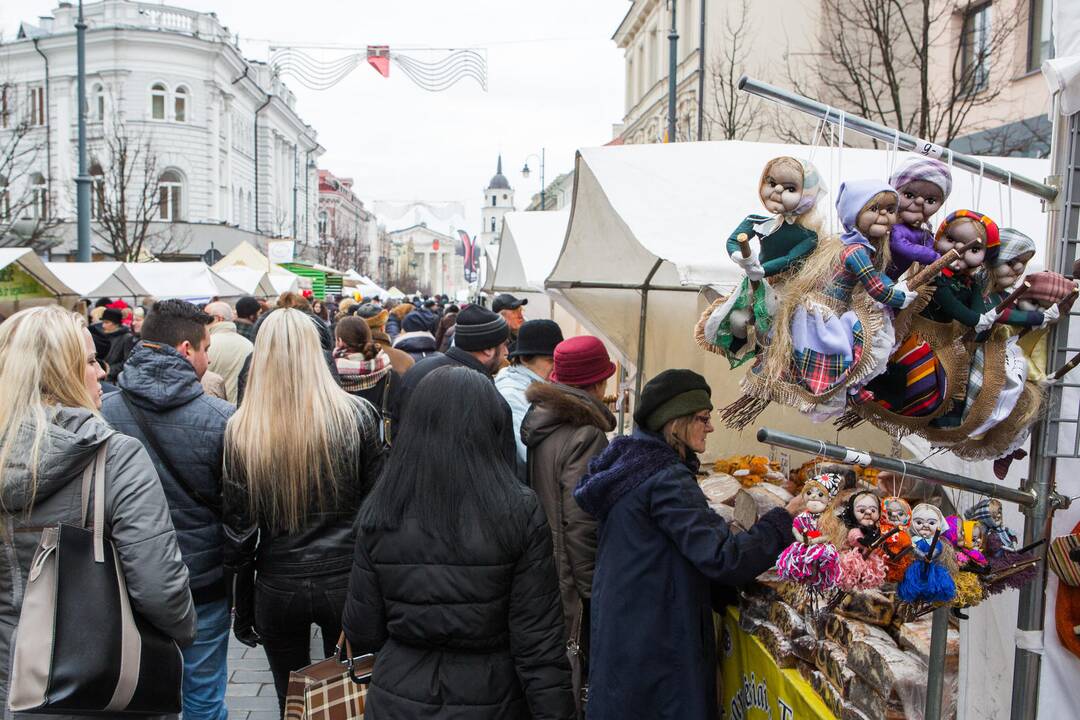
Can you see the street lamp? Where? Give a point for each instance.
(82, 181)
(525, 174)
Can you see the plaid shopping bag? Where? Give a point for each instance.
(1067, 569)
(330, 689)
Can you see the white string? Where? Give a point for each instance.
(1010, 200)
(945, 202)
(895, 152)
(978, 197)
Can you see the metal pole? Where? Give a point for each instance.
(543, 201)
(82, 181)
(1023, 498)
(888, 135)
(642, 318)
(673, 65)
(622, 404)
(935, 679)
(701, 74)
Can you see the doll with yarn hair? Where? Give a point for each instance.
(1001, 544)
(789, 190)
(896, 548)
(812, 560)
(862, 566)
(923, 184)
(930, 577)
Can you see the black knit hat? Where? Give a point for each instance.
(672, 394)
(537, 337)
(113, 315)
(479, 329)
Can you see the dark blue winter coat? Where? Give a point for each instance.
(660, 549)
(190, 427)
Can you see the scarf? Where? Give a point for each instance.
(359, 374)
(981, 512)
(812, 189)
(850, 201)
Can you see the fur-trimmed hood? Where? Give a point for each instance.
(555, 405)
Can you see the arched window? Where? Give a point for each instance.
(97, 190)
(39, 197)
(250, 208)
(324, 222)
(157, 101)
(97, 103)
(171, 196)
(5, 199)
(180, 104)
(492, 224)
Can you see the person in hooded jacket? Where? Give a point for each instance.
(566, 427)
(397, 315)
(415, 337)
(376, 319)
(660, 550)
(50, 430)
(453, 585)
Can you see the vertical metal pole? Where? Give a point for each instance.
(543, 201)
(621, 378)
(673, 64)
(701, 74)
(935, 679)
(642, 319)
(82, 181)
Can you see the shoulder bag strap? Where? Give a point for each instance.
(144, 426)
(93, 481)
(385, 409)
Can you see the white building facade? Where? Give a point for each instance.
(234, 160)
(431, 257)
(498, 200)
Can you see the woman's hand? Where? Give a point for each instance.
(796, 505)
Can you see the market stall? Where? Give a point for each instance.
(25, 281)
(98, 279)
(247, 255)
(194, 281)
(256, 283)
(325, 281)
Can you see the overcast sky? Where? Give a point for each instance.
(555, 80)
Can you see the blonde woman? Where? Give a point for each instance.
(49, 430)
(301, 454)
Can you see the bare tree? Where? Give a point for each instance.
(879, 60)
(26, 216)
(730, 113)
(126, 195)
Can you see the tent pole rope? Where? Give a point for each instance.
(642, 318)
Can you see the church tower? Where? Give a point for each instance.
(498, 200)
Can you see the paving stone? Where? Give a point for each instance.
(261, 702)
(249, 663)
(252, 676)
(268, 690)
(262, 715)
(243, 689)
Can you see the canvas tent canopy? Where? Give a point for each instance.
(247, 255)
(98, 279)
(253, 282)
(182, 280)
(25, 281)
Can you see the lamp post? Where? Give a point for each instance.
(82, 182)
(673, 66)
(525, 174)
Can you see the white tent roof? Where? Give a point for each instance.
(26, 259)
(253, 282)
(528, 249)
(185, 280)
(395, 293)
(284, 281)
(98, 279)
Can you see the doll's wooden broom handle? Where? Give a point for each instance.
(1013, 297)
(934, 269)
(744, 248)
(1071, 297)
(1066, 368)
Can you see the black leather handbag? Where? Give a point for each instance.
(80, 647)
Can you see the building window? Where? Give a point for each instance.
(37, 106)
(492, 201)
(975, 49)
(5, 199)
(97, 190)
(39, 197)
(180, 104)
(97, 103)
(157, 101)
(171, 195)
(1040, 45)
(492, 224)
(6, 102)
(323, 223)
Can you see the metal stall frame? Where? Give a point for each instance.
(1039, 498)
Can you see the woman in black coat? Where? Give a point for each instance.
(660, 552)
(453, 583)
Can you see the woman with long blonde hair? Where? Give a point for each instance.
(50, 430)
(301, 454)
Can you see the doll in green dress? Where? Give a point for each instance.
(735, 326)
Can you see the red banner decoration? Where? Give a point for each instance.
(378, 57)
(472, 265)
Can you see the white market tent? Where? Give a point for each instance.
(247, 255)
(183, 280)
(658, 216)
(363, 285)
(28, 263)
(253, 282)
(394, 293)
(98, 279)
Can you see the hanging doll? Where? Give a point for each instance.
(923, 185)
(966, 538)
(1001, 548)
(812, 560)
(896, 549)
(789, 190)
(928, 579)
(832, 334)
(862, 566)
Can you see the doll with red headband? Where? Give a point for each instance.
(812, 560)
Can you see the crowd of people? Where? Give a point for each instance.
(433, 481)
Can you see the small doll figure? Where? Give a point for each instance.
(961, 289)
(789, 190)
(923, 185)
(928, 579)
(812, 560)
(1007, 272)
(963, 535)
(862, 566)
(896, 515)
(1001, 548)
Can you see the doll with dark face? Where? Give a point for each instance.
(928, 579)
(789, 190)
(896, 515)
(923, 184)
(812, 560)
(961, 290)
(862, 565)
(1001, 547)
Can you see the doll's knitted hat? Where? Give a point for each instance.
(1013, 244)
(925, 169)
(830, 481)
(993, 235)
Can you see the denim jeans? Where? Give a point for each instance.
(285, 610)
(205, 671)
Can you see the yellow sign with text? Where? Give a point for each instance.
(17, 284)
(755, 688)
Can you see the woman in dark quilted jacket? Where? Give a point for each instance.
(453, 583)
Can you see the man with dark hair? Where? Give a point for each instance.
(162, 404)
(247, 312)
(109, 330)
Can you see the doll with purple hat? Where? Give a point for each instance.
(922, 185)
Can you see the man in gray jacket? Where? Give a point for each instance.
(162, 404)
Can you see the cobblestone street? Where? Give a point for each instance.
(250, 695)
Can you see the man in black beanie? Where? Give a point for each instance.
(479, 344)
